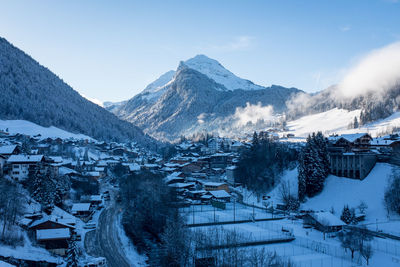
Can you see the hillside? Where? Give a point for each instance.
(201, 95)
(31, 92)
(336, 121)
(344, 191)
(32, 129)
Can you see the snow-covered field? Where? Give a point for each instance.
(208, 214)
(32, 129)
(336, 121)
(340, 191)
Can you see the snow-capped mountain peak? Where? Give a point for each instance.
(155, 89)
(214, 70)
(205, 65)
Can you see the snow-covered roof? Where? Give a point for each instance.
(57, 159)
(213, 184)
(220, 194)
(25, 158)
(349, 137)
(181, 185)
(65, 171)
(383, 141)
(132, 166)
(5, 264)
(231, 168)
(92, 174)
(53, 219)
(95, 198)
(7, 149)
(80, 207)
(171, 178)
(51, 234)
(327, 219)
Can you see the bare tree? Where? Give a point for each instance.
(366, 251)
(11, 206)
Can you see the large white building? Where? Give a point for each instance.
(20, 165)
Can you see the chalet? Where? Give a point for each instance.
(220, 195)
(350, 142)
(21, 164)
(131, 167)
(218, 160)
(9, 150)
(95, 199)
(53, 234)
(81, 209)
(191, 167)
(214, 186)
(196, 194)
(174, 178)
(54, 240)
(350, 155)
(324, 221)
(50, 223)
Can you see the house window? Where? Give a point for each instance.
(15, 166)
(16, 173)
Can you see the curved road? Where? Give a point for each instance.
(104, 241)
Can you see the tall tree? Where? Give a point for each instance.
(313, 166)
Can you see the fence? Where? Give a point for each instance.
(329, 249)
(233, 212)
(385, 246)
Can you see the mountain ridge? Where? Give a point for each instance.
(193, 100)
(32, 92)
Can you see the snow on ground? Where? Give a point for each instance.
(289, 177)
(32, 129)
(340, 191)
(28, 252)
(336, 121)
(130, 251)
(328, 122)
(233, 212)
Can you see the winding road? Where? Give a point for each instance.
(104, 240)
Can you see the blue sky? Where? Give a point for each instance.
(110, 50)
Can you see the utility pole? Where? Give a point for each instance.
(253, 212)
(234, 206)
(214, 213)
(193, 214)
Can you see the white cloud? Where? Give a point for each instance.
(253, 113)
(378, 71)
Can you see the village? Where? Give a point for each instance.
(204, 176)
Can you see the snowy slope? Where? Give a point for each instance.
(332, 121)
(344, 191)
(214, 70)
(32, 129)
(157, 87)
(337, 121)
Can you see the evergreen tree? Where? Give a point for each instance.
(302, 177)
(313, 166)
(347, 215)
(255, 140)
(355, 125)
(72, 254)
